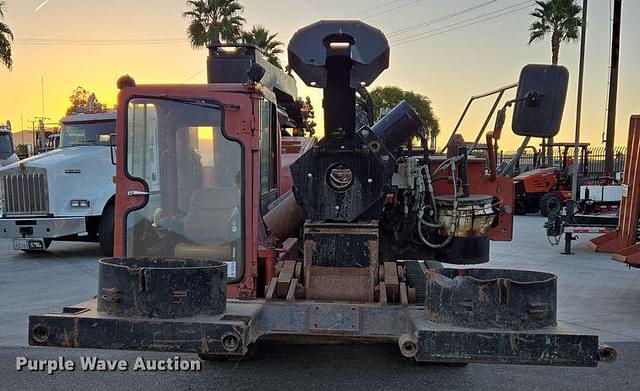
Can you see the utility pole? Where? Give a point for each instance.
(33, 137)
(576, 146)
(42, 93)
(613, 88)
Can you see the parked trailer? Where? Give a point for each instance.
(595, 211)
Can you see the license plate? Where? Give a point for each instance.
(28, 244)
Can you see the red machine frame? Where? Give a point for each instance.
(248, 318)
(166, 304)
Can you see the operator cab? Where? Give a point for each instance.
(188, 151)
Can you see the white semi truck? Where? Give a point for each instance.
(65, 194)
(7, 149)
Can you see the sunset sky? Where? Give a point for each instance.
(91, 43)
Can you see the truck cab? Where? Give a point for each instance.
(7, 149)
(64, 194)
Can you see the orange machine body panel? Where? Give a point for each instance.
(540, 180)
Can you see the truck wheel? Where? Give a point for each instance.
(47, 243)
(105, 230)
(550, 204)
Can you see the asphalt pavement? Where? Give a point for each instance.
(593, 292)
(310, 367)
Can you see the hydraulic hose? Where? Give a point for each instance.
(454, 213)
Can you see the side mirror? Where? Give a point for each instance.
(113, 148)
(539, 103)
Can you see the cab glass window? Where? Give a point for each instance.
(194, 175)
(268, 154)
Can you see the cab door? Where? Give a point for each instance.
(192, 177)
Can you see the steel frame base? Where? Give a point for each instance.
(245, 322)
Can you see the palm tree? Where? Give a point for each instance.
(213, 21)
(267, 43)
(6, 36)
(561, 19)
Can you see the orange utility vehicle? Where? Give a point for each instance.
(545, 189)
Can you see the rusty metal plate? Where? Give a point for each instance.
(249, 321)
(327, 317)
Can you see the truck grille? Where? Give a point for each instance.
(25, 192)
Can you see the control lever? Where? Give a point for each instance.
(492, 142)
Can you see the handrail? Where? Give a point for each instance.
(500, 91)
